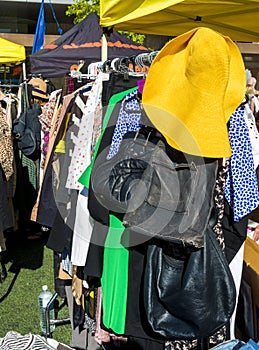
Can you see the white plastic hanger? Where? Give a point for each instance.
(94, 68)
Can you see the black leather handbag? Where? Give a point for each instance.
(173, 201)
(188, 295)
(113, 180)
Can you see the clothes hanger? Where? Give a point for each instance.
(106, 66)
(141, 60)
(78, 75)
(94, 68)
(152, 56)
(115, 64)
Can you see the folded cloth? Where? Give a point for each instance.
(15, 341)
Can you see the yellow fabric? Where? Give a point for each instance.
(77, 286)
(11, 53)
(193, 86)
(236, 19)
(117, 11)
(61, 145)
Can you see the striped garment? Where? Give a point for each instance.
(15, 341)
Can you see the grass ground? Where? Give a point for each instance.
(29, 265)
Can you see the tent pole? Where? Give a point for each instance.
(104, 48)
(24, 71)
(23, 84)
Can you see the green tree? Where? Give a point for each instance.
(81, 8)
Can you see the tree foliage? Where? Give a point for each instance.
(81, 8)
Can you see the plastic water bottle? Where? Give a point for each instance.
(43, 299)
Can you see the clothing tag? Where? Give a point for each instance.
(74, 138)
(80, 103)
(224, 161)
(76, 120)
(105, 76)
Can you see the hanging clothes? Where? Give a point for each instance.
(93, 266)
(115, 274)
(241, 189)
(6, 217)
(119, 256)
(6, 145)
(47, 208)
(253, 133)
(53, 127)
(220, 335)
(85, 142)
(46, 119)
(128, 120)
(94, 262)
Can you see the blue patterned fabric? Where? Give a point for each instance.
(128, 120)
(241, 190)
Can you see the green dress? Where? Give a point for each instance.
(114, 279)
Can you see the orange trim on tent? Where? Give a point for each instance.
(127, 46)
(96, 44)
(74, 46)
(50, 46)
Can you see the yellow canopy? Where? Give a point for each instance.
(11, 53)
(237, 19)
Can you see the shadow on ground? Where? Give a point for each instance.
(23, 252)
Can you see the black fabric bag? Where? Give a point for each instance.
(27, 132)
(173, 201)
(188, 295)
(114, 180)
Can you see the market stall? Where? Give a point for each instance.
(234, 19)
(82, 42)
(237, 19)
(85, 228)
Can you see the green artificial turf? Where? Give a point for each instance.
(29, 265)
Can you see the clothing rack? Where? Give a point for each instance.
(10, 85)
(129, 64)
(78, 75)
(119, 64)
(92, 71)
(145, 59)
(30, 76)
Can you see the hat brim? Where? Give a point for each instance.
(193, 117)
(39, 88)
(38, 94)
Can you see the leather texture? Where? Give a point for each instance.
(188, 294)
(173, 201)
(114, 180)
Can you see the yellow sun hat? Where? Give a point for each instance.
(193, 86)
